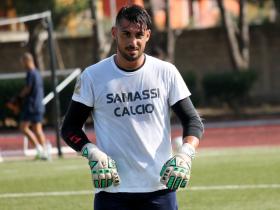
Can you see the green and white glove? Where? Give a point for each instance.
(103, 168)
(176, 171)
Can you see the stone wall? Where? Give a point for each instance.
(204, 51)
(199, 51)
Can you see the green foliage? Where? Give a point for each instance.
(33, 6)
(59, 11)
(228, 87)
(64, 99)
(10, 88)
(191, 81)
(75, 6)
(64, 10)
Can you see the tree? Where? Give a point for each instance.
(277, 8)
(237, 35)
(170, 48)
(166, 46)
(158, 49)
(36, 27)
(101, 43)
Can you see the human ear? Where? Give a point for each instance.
(148, 34)
(114, 32)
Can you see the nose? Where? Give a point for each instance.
(132, 42)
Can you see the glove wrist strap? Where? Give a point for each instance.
(188, 150)
(88, 149)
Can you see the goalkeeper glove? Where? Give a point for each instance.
(103, 168)
(176, 171)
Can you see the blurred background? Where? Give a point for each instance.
(227, 51)
(228, 54)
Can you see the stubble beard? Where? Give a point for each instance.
(128, 57)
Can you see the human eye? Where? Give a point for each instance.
(126, 33)
(140, 35)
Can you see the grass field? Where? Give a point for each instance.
(222, 179)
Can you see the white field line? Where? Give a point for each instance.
(235, 187)
(41, 194)
(88, 192)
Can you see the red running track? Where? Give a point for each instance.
(213, 137)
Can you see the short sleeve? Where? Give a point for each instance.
(178, 89)
(83, 91)
(29, 79)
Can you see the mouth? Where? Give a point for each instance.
(132, 49)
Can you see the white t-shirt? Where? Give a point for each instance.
(132, 117)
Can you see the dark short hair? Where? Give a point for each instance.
(134, 14)
(27, 57)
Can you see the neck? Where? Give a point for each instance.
(129, 65)
(31, 66)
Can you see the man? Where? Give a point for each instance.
(130, 95)
(33, 109)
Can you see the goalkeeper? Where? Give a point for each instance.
(129, 95)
